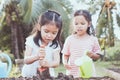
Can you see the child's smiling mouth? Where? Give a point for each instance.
(79, 30)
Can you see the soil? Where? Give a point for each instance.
(115, 69)
(60, 76)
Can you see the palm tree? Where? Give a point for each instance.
(13, 20)
(38, 6)
(27, 11)
(105, 18)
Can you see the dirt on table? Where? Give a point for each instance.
(115, 69)
(60, 76)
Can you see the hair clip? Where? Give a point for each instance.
(81, 12)
(53, 20)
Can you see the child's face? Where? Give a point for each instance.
(80, 25)
(48, 33)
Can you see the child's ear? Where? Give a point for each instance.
(38, 27)
(89, 24)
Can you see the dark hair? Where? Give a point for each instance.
(49, 17)
(87, 16)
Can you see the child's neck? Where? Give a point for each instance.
(45, 44)
(82, 36)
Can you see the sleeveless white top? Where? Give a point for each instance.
(30, 70)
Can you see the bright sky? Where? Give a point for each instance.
(95, 17)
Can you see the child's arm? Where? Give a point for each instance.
(65, 61)
(28, 58)
(93, 56)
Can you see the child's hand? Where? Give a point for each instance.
(41, 69)
(67, 66)
(90, 54)
(42, 52)
(44, 63)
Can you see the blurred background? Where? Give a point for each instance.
(18, 17)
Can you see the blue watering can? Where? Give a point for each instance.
(4, 68)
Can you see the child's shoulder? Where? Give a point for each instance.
(69, 37)
(93, 37)
(30, 37)
(29, 41)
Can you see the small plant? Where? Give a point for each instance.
(112, 53)
(116, 58)
(15, 71)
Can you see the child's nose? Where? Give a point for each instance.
(49, 35)
(80, 26)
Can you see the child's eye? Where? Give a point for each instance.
(83, 23)
(46, 31)
(54, 33)
(76, 23)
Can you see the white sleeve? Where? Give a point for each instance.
(29, 41)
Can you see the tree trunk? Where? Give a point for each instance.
(15, 49)
(21, 40)
(110, 28)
